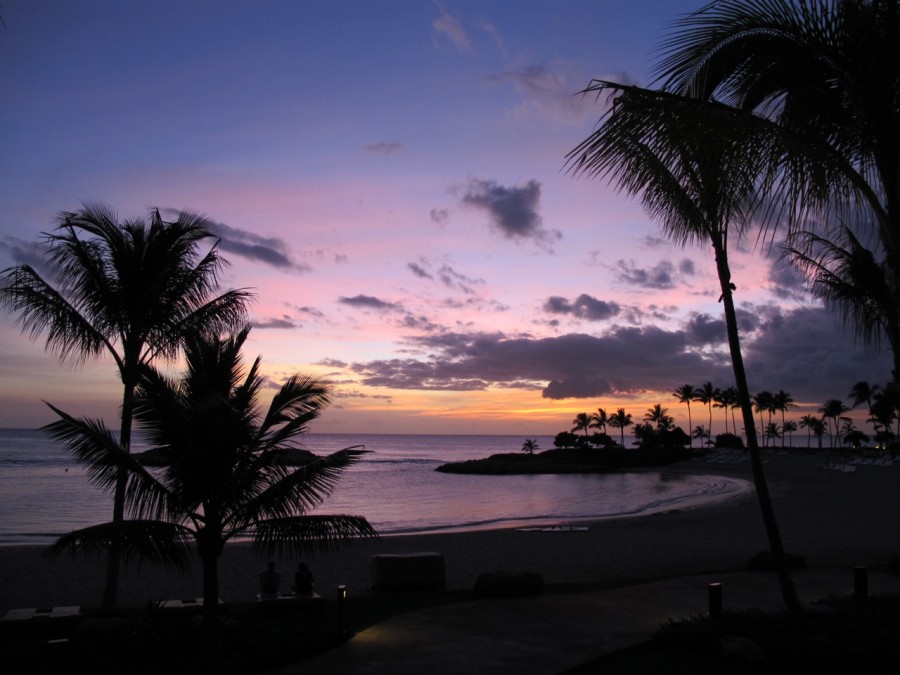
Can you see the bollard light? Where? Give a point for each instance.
(715, 600)
(342, 601)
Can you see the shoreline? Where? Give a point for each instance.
(832, 518)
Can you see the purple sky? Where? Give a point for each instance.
(389, 177)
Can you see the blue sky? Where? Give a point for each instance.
(389, 177)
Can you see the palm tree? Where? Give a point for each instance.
(832, 410)
(826, 74)
(696, 166)
(226, 469)
(659, 416)
(809, 422)
(728, 398)
(582, 421)
(700, 433)
(886, 407)
(706, 395)
(781, 401)
(773, 432)
(530, 445)
(131, 291)
(685, 394)
(817, 424)
(620, 419)
(788, 428)
(863, 392)
(599, 420)
(762, 402)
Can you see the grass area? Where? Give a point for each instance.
(840, 634)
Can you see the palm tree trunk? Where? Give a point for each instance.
(786, 583)
(114, 560)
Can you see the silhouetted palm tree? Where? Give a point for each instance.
(132, 291)
(832, 411)
(863, 392)
(728, 398)
(227, 470)
(809, 422)
(762, 402)
(582, 421)
(599, 420)
(781, 401)
(685, 394)
(706, 394)
(700, 433)
(696, 166)
(788, 428)
(659, 416)
(620, 419)
(530, 445)
(827, 74)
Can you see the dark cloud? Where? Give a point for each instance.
(311, 311)
(702, 329)
(384, 148)
(575, 365)
(284, 322)
(787, 283)
(368, 302)
(661, 276)
(440, 216)
(513, 210)
(806, 352)
(687, 267)
(419, 271)
(267, 250)
(332, 363)
(583, 307)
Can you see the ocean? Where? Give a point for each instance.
(43, 492)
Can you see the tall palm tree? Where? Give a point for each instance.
(762, 402)
(707, 394)
(582, 421)
(131, 291)
(781, 401)
(696, 166)
(809, 422)
(227, 470)
(620, 419)
(728, 399)
(685, 394)
(826, 73)
(832, 410)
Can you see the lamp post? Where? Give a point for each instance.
(342, 601)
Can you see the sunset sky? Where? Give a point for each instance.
(390, 179)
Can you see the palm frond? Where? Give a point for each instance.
(281, 492)
(159, 543)
(94, 446)
(306, 535)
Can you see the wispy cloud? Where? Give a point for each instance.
(449, 26)
(384, 148)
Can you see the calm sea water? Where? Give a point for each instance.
(43, 492)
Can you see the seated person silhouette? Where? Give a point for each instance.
(303, 580)
(269, 581)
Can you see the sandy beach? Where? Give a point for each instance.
(832, 518)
